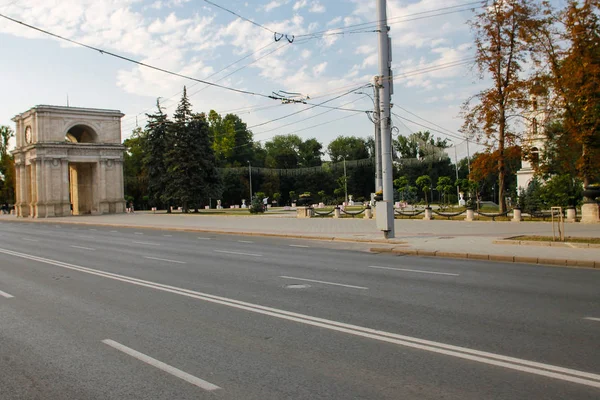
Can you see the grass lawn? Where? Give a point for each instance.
(549, 239)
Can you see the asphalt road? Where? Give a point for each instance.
(113, 313)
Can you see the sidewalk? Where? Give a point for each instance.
(449, 238)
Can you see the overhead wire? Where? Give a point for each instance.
(240, 16)
(311, 117)
(377, 22)
(313, 106)
(276, 35)
(211, 75)
(431, 68)
(231, 73)
(102, 51)
(453, 135)
(299, 130)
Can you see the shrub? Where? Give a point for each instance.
(257, 206)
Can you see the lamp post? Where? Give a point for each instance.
(468, 157)
(250, 175)
(345, 183)
(456, 168)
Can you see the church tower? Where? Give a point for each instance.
(534, 140)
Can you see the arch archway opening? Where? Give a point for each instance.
(81, 134)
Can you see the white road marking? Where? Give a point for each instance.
(592, 319)
(414, 270)
(92, 229)
(138, 233)
(30, 240)
(238, 253)
(114, 231)
(168, 235)
(298, 245)
(203, 238)
(245, 241)
(201, 383)
(518, 364)
(165, 259)
(148, 243)
(83, 248)
(86, 236)
(6, 295)
(326, 283)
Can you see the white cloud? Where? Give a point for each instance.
(364, 49)
(197, 40)
(318, 69)
(169, 24)
(335, 21)
(300, 4)
(157, 5)
(316, 7)
(272, 5)
(351, 21)
(313, 26)
(329, 39)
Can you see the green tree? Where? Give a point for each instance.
(401, 184)
(134, 169)
(223, 137)
(420, 144)
(309, 153)
(444, 185)
(424, 183)
(243, 150)
(283, 152)
(348, 147)
(561, 191)
(191, 168)
(503, 44)
(158, 141)
(7, 167)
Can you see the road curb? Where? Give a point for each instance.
(218, 232)
(558, 262)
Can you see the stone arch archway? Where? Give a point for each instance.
(81, 133)
(68, 161)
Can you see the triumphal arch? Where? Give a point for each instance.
(68, 161)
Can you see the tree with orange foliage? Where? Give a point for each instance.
(503, 47)
(484, 167)
(573, 72)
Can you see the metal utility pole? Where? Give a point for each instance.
(456, 167)
(250, 174)
(468, 158)
(345, 183)
(385, 212)
(376, 119)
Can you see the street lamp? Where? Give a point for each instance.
(345, 182)
(456, 168)
(250, 175)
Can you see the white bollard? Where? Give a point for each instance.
(571, 214)
(428, 214)
(337, 213)
(470, 215)
(517, 215)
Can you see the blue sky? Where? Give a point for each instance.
(433, 76)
